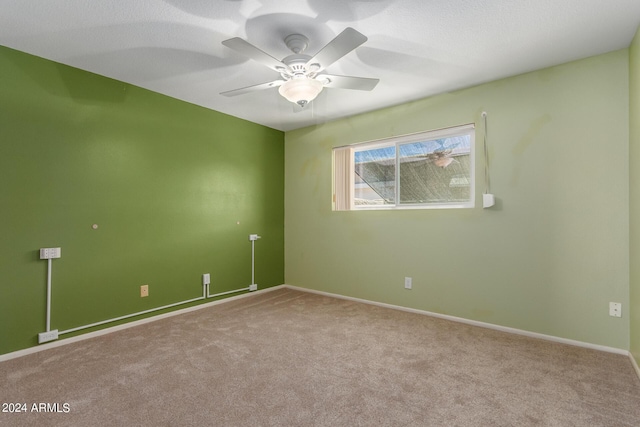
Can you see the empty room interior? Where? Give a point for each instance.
(320, 212)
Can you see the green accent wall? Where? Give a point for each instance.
(634, 147)
(548, 258)
(174, 188)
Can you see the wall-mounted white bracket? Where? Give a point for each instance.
(488, 200)
(49, 254)
(253, 238)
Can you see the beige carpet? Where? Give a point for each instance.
(290, 358)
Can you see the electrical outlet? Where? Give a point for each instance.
(615, 309)
(144, 291)
(253, 288)
(408, 282)
(47, 336)
(206, 279)
(49, 253)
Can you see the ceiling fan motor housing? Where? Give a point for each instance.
(296, 64)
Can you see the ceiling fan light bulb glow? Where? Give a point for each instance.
(301, 91)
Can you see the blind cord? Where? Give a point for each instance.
(487, 181)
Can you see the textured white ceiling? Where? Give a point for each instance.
(416, 48)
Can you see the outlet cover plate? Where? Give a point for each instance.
(408, 282)
(50, 253)
(47, 336)
(615, 309)
(144, 291)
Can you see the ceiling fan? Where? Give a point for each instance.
(302, 77)
(441, 158)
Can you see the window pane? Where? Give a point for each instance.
(435, 171)
(375, 176)
(426, 170)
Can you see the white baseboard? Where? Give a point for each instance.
(635, 365)
(112, 329)
(53, 344)
(471, 322)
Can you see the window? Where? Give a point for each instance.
(425, 170)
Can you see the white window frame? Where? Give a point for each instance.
(343, 170)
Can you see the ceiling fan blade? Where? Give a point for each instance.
(247, 49)
(348, 82)
(253, 88)
(342, 44)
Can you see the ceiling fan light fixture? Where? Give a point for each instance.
(443, 162)
(301, 91)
